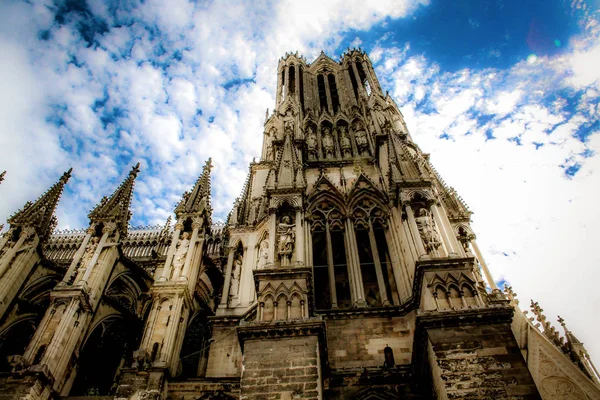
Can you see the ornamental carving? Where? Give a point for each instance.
(556, 388)
(286, 239)
(428, 231)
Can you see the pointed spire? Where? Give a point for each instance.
(193, 202)
(116, 207)
(40, 214)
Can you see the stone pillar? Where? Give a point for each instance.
(185, 273)
(380, 282)
(486, 271)
(272, 238)
(354, 266)
(446, 243)
(106, 231)
(330, 268)
(299, 237)
(10, 254)
(73, 267)
(412, 224)
(227, 283)
(166, 273)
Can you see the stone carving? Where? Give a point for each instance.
(233, 220)
(149, 395)
(140, 359)
(263, 254)
(311, 143)
(327, 142)
(235, 277)
(361, 138)
(18, 363)
(427, 230)
(182, 249)
(345, 144)
(555, 387)
(286, 241)
(379, 115)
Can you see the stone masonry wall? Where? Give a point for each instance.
(479, 362)
(225, 355)
(360, 342)
(283, 368)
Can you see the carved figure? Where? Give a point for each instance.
(287, 239)
(311, 143)
(263, 254)
(361, 138)
(427, 231)
(233, 220)
(182, 249)
(379, 115)
(18, 363)
(327, 142)
(140, 359)
(345, 144)
(235, 277)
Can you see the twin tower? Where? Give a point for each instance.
(347, 269)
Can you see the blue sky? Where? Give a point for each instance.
(503, 94)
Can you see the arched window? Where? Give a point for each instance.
(194, 351)
(292, 81)
(370, 222)
(333, 92)
(329, 256)
(322, 92)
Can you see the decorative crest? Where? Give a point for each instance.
(116, 207)
(40, 214)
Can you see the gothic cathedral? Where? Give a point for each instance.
(347, 269)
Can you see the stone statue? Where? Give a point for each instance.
(379, 115)
(263, 254)
(345, 144)
(287, 238)
(18, 363)
(327, 142)
(427, 230)
(182, 249)
(311, 143)
(235, 277)
(140, 359)
(233, 220)
(361, 138)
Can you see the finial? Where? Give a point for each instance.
(65, 177)
(561, 321)
(208, 166)
(135, 170)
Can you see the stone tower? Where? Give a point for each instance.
(347, 269)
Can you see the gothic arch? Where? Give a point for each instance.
(38, 291)
(15, 337)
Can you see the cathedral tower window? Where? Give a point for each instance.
(353, 80)
(292, 81)
(282, 86)
(322, 92)
(301, 81)
(335, 99)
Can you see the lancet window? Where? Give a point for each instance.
(292, 81)
(322, 92)
(333, 92)
(351, 261)
(329, 257)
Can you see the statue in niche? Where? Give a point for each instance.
(235, 277)
(287, 239)
(327, 142)
(345, 144)
(379, 115)
(427, 230)
(263, 254)
(269, 153)
(361, 138)
(181, 251)
(311, 143)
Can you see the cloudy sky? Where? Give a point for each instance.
(502, 93)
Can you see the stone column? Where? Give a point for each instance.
(166, 273)
(225, 295)
(299, 237)
(380, 282)
(106, 231)
(449, 237)
(446, 245)
(330, 268)
(412, 224)
(484, 267)
(185, 273)
(73, 267)
(273, 239)
(354, 266)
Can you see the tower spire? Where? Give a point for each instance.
(116, 207)
(40, 214)
(192, 202)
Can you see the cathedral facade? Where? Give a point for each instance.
(347, 269)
